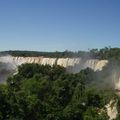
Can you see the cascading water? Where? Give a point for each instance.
(77, 63)
(71, 64)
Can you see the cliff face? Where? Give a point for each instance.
(75, 64)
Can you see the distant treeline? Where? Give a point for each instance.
(56, 54)
(104, 53)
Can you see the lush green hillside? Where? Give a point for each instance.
(49, 93)
(40, 92)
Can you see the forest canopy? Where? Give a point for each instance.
(40, 92)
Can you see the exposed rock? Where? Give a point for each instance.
(112, 109)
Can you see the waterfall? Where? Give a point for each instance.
(75, 63)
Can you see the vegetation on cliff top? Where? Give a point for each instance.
(104, 53)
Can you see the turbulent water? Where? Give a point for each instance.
(6, 69)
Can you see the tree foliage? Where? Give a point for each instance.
(40, 92)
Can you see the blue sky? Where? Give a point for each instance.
(50, 25)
